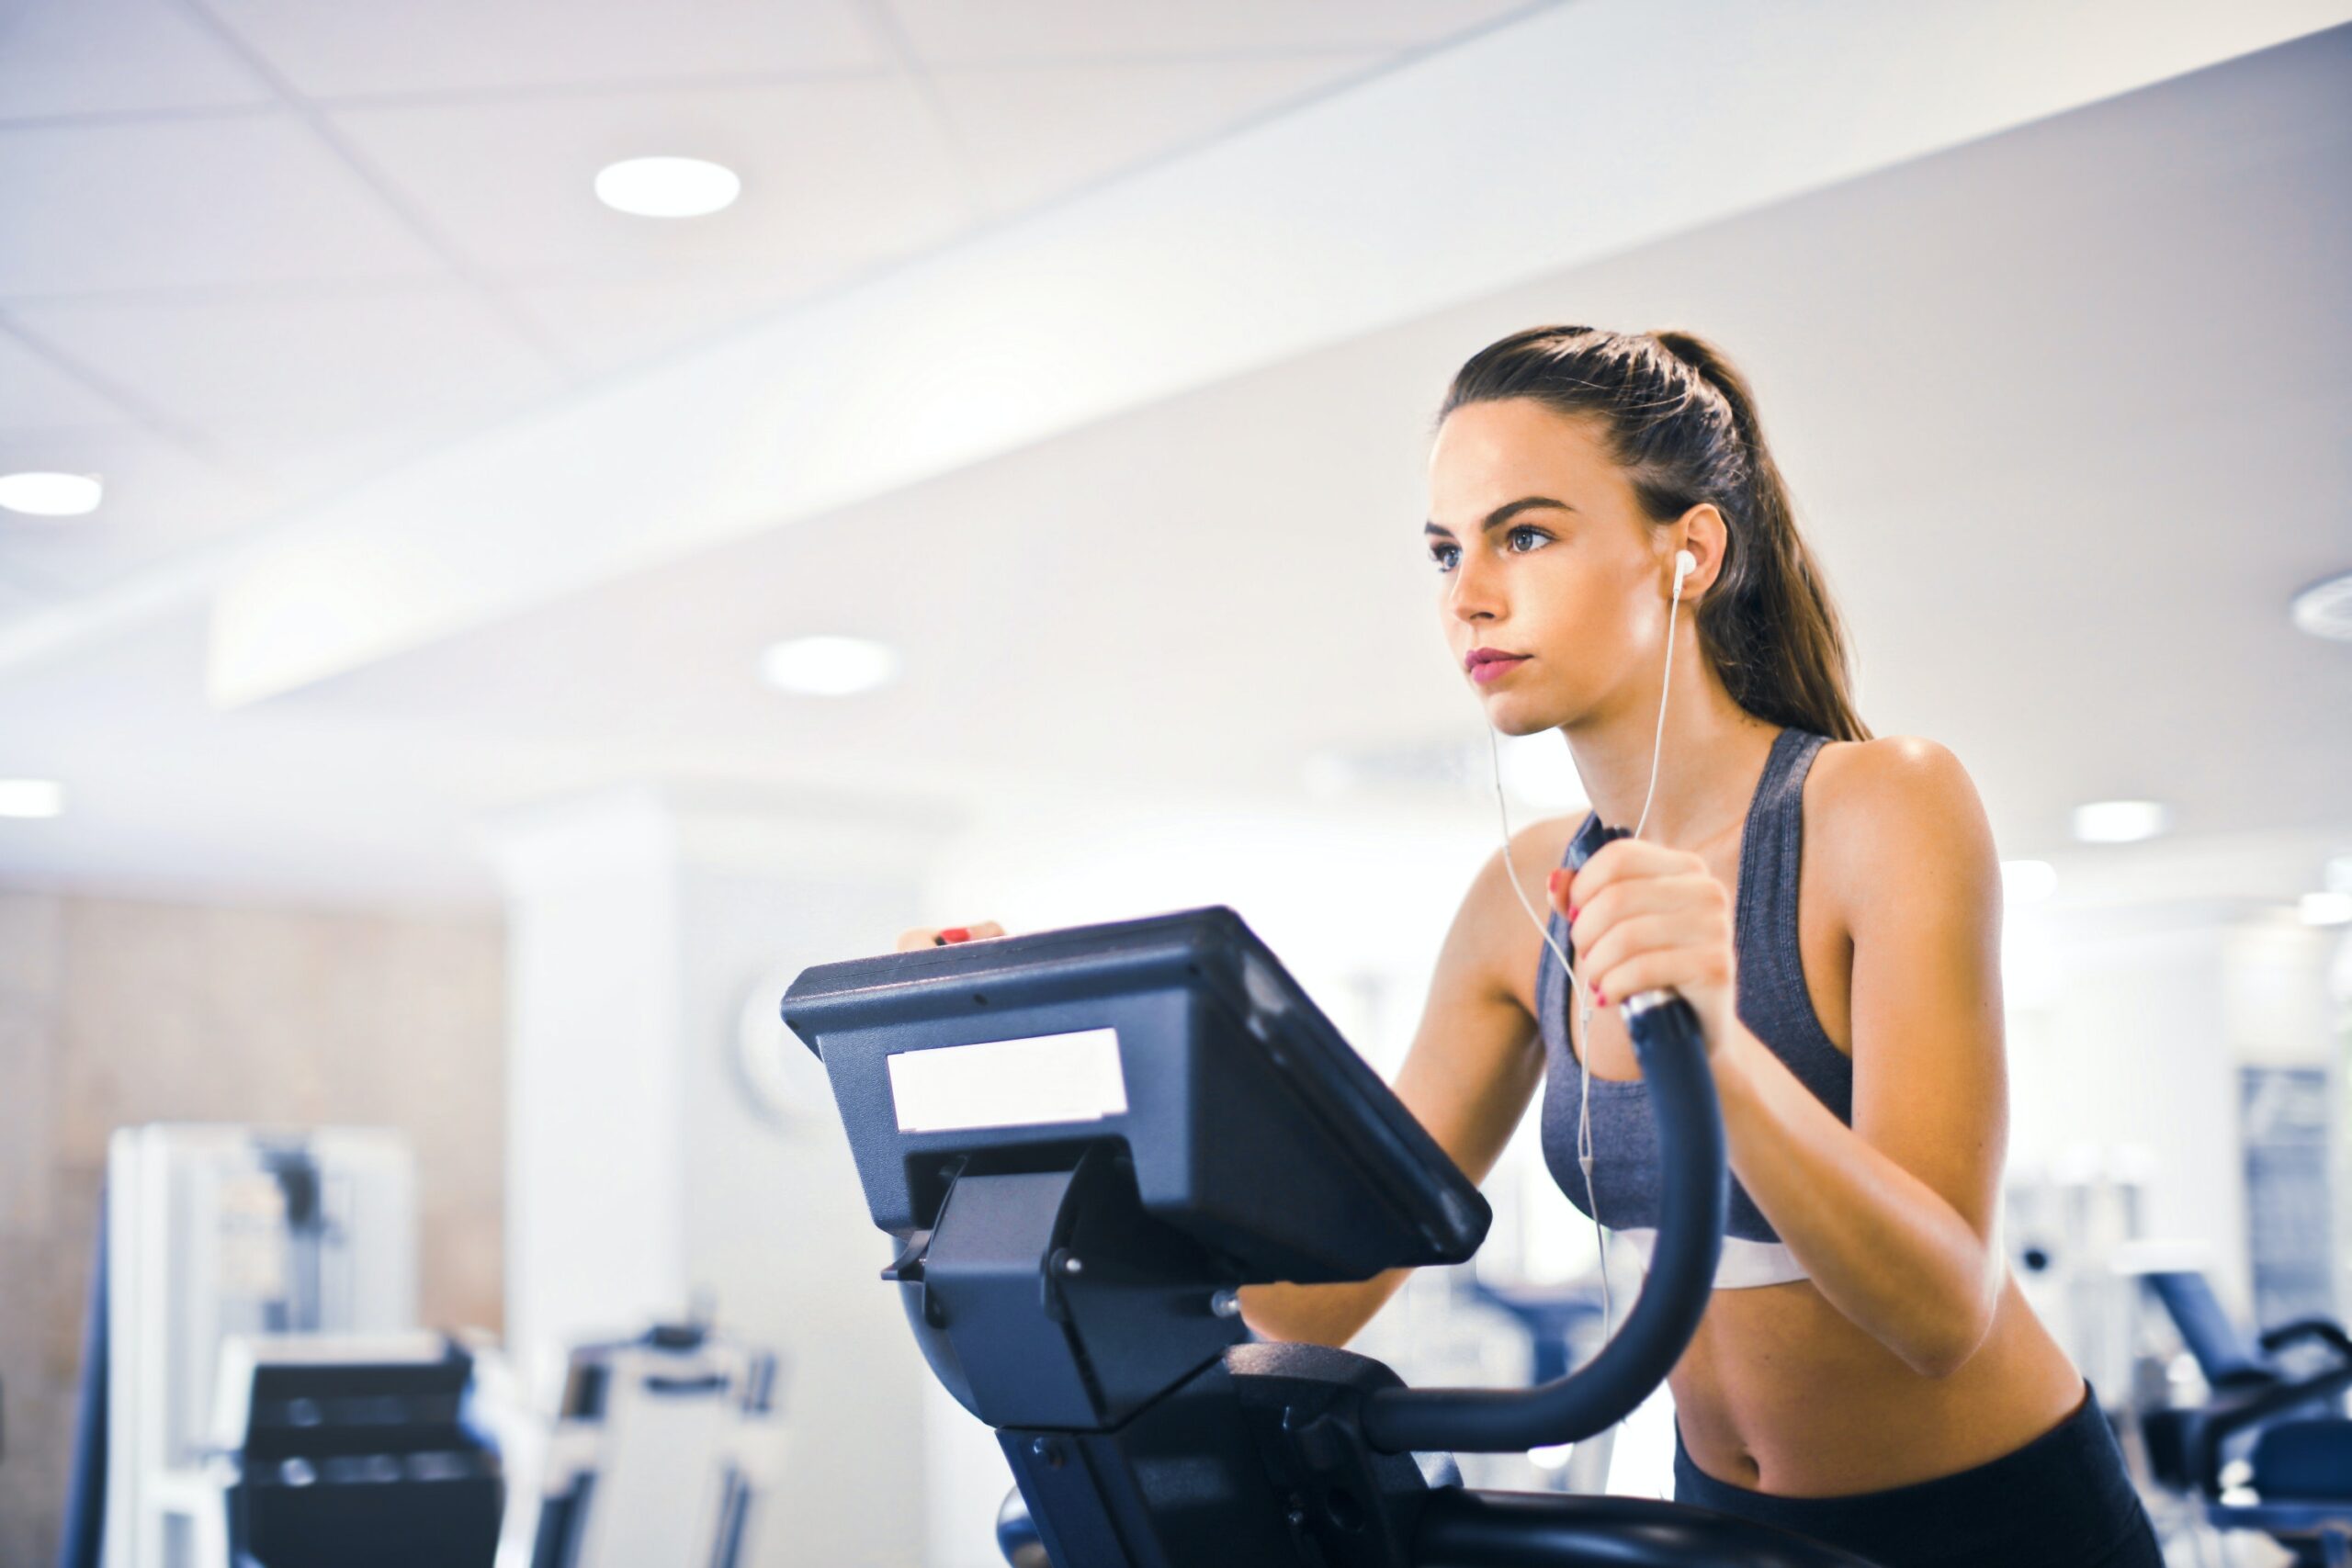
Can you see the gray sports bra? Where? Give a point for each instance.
(1772, 1002)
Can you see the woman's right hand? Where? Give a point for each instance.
(942, 936)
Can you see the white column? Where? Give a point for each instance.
(595, 1196)
(649, 933)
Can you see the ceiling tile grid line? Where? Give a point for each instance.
(391, 197)
(883, 23)
(138, 409)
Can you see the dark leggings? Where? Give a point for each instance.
(2062, 1501)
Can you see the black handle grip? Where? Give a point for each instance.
(1694, 1197)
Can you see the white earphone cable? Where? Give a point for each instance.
(1684, 565)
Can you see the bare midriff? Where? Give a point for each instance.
(1781, 1393)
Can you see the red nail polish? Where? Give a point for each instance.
(1604, 1001)
(955, 933)
(1572, 911)
(1553, 882)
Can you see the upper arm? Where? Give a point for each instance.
(1475, 1061)
(1919, 884)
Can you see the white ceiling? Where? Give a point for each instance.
(2064, 410)
(253, 252)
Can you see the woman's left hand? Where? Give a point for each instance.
(1647, 918)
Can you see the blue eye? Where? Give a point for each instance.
(1536, 533)
(1445, 555)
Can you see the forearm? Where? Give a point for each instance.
(1317, 1315)
(1882, 1245)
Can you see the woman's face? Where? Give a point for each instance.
(1543, 552)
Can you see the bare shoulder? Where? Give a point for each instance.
(1888, 815)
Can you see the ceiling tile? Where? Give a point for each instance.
(1036, 131)
(37, 395)
(835, 173)
(252, 198)
(160, 501)
(603, 327)
(329, 51)
(311, 388)
(114, 57)
(949, 33)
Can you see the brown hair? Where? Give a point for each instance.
(1681, 422)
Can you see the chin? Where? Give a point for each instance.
(1519, 718)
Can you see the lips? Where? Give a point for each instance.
(1482, 656)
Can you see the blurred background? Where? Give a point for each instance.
(480, 610)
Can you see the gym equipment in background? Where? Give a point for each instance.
(335, 1451)
(1086, 1141)
(662, 1444)
(2289, 1424)
(1558, 1321)
(207, 1233)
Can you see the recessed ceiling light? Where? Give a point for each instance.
(50, 495)
(2325, 609)
(667, 188)
(2325, 908)
(828, 666)
(2028, 881)
(2118, 822)
(31, 798)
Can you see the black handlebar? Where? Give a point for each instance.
(1693, 1200)
(1694, 1197)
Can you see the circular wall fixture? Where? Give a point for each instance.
(781, 1079)
(2325, 609)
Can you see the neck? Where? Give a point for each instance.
(1710, 757)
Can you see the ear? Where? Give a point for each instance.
(1702, 532)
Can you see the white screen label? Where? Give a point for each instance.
(1009, 1083)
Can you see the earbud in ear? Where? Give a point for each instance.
(1685, 563)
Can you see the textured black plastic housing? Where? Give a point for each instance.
(1253, 1127)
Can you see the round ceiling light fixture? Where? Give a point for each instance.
(51, 495)
(667, 188)
(31, 797)
(828, 666)
(2118, 822)
(2325, 908)
(2325, 609)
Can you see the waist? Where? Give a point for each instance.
(1782, 1394)
(2070, 1477)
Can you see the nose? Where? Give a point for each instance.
(1472, 589)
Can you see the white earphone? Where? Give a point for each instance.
(1685, 563)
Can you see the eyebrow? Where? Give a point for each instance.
(1503, 514)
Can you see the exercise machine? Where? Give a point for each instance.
(2286, 1424)
(208, 1234)
(1085, 1141)
(349, 1451)
(662, 1444)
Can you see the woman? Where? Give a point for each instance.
(1867, 1371)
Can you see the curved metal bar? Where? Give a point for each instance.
(1694, 1197)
